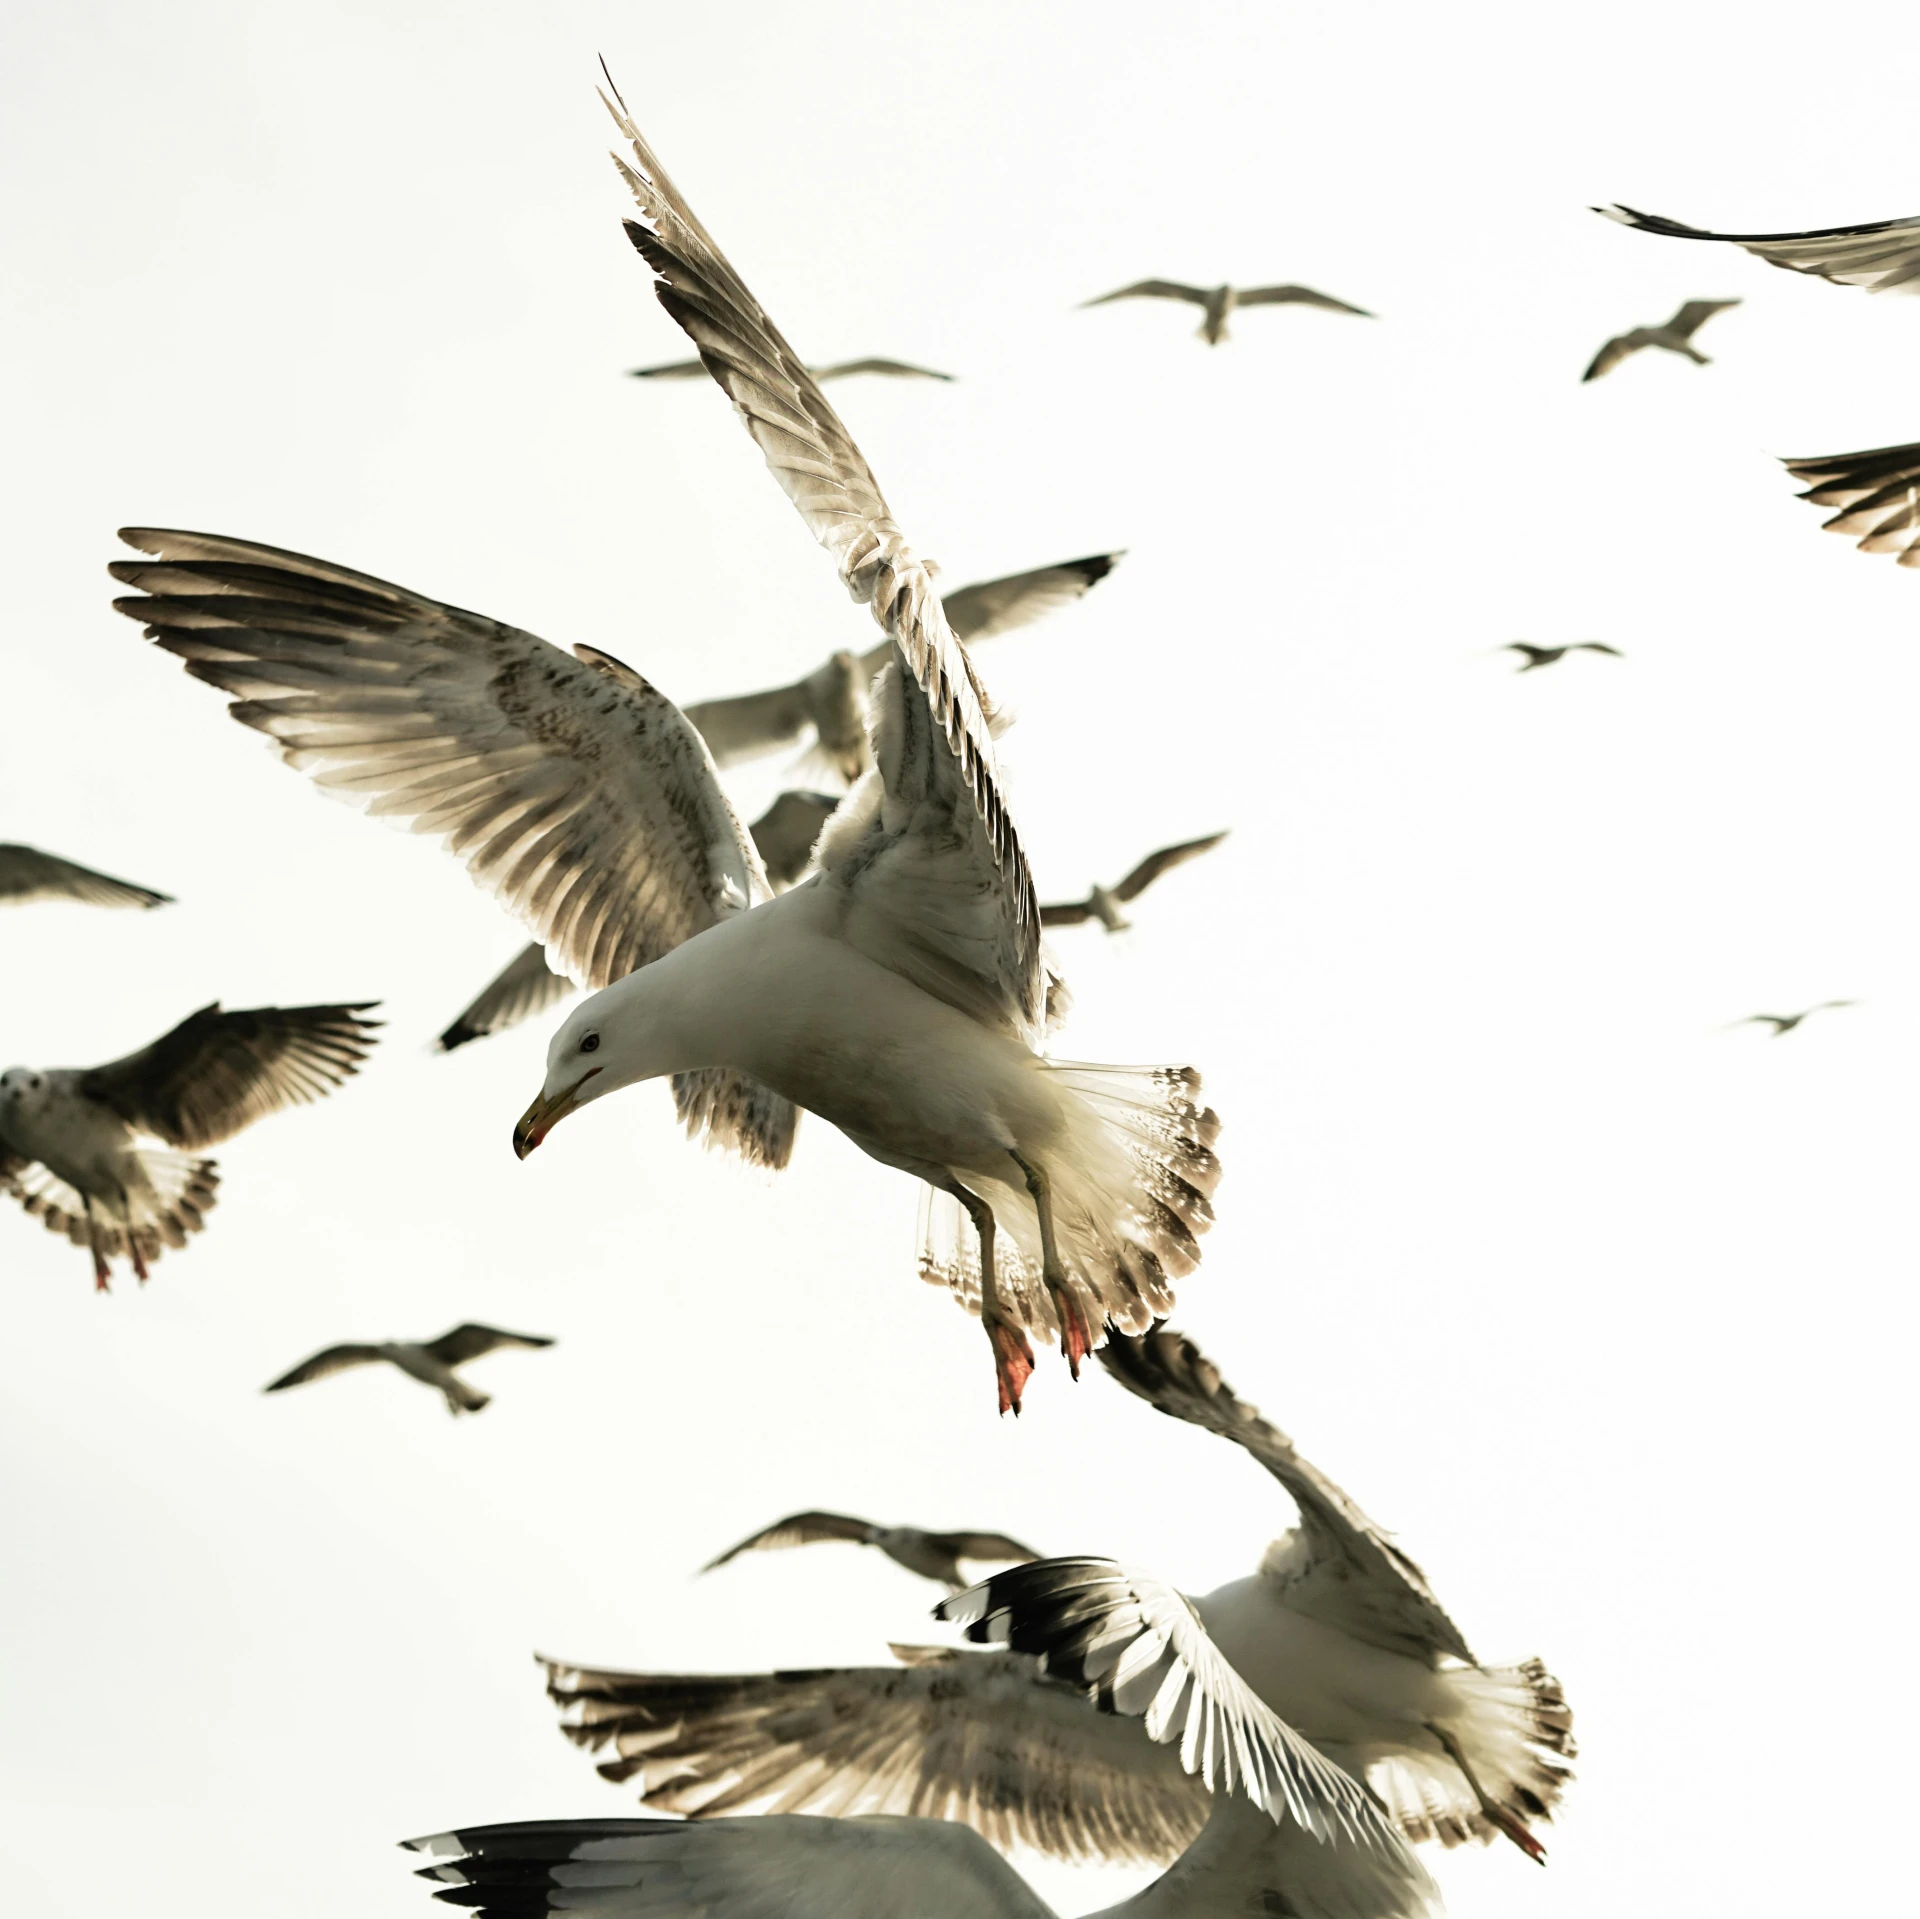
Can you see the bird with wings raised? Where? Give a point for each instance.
(1220, 302)
(936, 1556)
(1675, 336)
(431, 1361)
(1104, 902)
(1883, 256)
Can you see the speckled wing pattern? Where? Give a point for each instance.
(26, 873)
(1883, 256)
(1878, 493)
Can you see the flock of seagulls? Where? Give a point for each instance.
(869, 950)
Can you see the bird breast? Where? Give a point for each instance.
(85, 1144)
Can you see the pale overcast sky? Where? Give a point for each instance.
(1607, 1310)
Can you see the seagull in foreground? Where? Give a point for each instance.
(68, 1135)
(900, 993)
(1878, 492)
(1883, 256)
(431, 1361)
(1539, 656)
(26, 874)
(936, 1556)
(1784, 1023)
(1104, 905)
(838, 370)
(1338, 1634)
(1676, 335)
(1219, 302)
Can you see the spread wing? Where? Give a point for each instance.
(888, 369)
(1883, 256)
(816, 462)
(788, 830)
(1164, 861)
(984, 1738)
(26, 873)
(1140, 1649)
(528, 985)
(1622, 346)
(1694, 314)
(984, 1549)
(1066, 913)
(750, 723)
(1348, 1572)
(797, 1529)
(336, 1359)
(472, 1341)
(1295, 296)
(218, 1072)
(989, 608)
(1153, 290)
(1878, 492)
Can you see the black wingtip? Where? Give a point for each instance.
(458, 1034)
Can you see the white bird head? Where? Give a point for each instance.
(604, 1044)
(20, 1087)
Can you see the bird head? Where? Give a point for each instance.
(602, 1046)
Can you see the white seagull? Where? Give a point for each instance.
(1882, 256)
(935, 1556)
(1104, 903)
(431, 1361)
(26, 874)
(837, 370)
(1675, 335)
(1878, 493)
(1220, 302)
(69, 1136)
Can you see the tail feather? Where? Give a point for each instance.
(181, 1192)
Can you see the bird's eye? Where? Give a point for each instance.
(591, 1044)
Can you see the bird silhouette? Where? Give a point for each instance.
(1219, 302)
(1784, 1023)
(1676, 335)
(1539, 656)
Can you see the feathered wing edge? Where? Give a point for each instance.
(184, 1189)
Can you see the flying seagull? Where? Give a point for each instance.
(1104, 904)
(838, 370)
(1883, 256)
(935, 1556)
(1219, 302)
(1539, 656)
(1784, 1023)
(26, 874)
(1878, 492)
(431, 1361)
(784, 836)
(1676, 335)
(68, 1135)
(900, 994)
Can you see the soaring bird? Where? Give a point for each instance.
(1337, 1633)
(1104, 904)
(69, 1136)
(937, 1556)
(1536, 657)
(431, 1361)
(1219, 302)
(1878, 493)
(1883, 256)
(838, 370)
(1676, 335)
(26, 874)
(1784, 1023)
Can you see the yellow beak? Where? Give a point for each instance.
(545, 1114)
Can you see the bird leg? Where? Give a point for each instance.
(102, 1272)
(1497, 1815)
(1077, 1338)
(1012, 1356)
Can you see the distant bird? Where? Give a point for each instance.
(26, 874)
(1676, 335)
(1539, 656)
(1878, 492)
(431, 1361)
(935, 1556)
(1219, 302)
(68, 1135)
(1883, 257)
(1103, 904)
(1784, 1023)
(838, 370)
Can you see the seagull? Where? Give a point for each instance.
(431, 1361)
(1222, 301)
(839, 370)
(1878, 492)
(1338, 1635)
(1883, 256)
(26, 874)
(1784, 1023)
(68, 1150)
(1539, 656)
(1104, 905)
(900, 994)
(936, 1556)
(1676, 335)
(784, 836)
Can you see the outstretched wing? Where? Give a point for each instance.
(1883, 256)
(1140, 1648)
(1295, 296)
(1153, 290)
(527, 985)
(984, 1738)
(218, 1072)
(984, 1549)
(797, 1529)
(1066, 913)
(1164, 861)
(1694, 314)
(748, 723)
(1623, 346)
(887, 369)
(26, 873)
(1878, 492)
(473, 1341)
(336, 1359)
(788, 830)
(1348, 1572)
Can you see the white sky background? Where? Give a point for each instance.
(1605, 1309)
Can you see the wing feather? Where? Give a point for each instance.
(26, 873)
(1882, 256)
(474, 1341)
(1164, 861)
(323, 1365)
(797, 1529)
(1295, 296)
(1154, 290)
(525, 987)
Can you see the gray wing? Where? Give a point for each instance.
(336, 1359)
(887, 369)
(1695, 314)
(1164, 861)
(1066, 913)
(1349, 1572)
(787, 832)
(1883, 256)
(1878, 492)
(1295, 296)
(1596, 646)
(26, 873)
(750, 723)
(672, 370)
(473, 1341)
(527, 986)
(984, 1549)
(798, 1529)
(988, 608)
(1621, 347)
(984, 1738)
(1154, 290)
(218, 1072)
